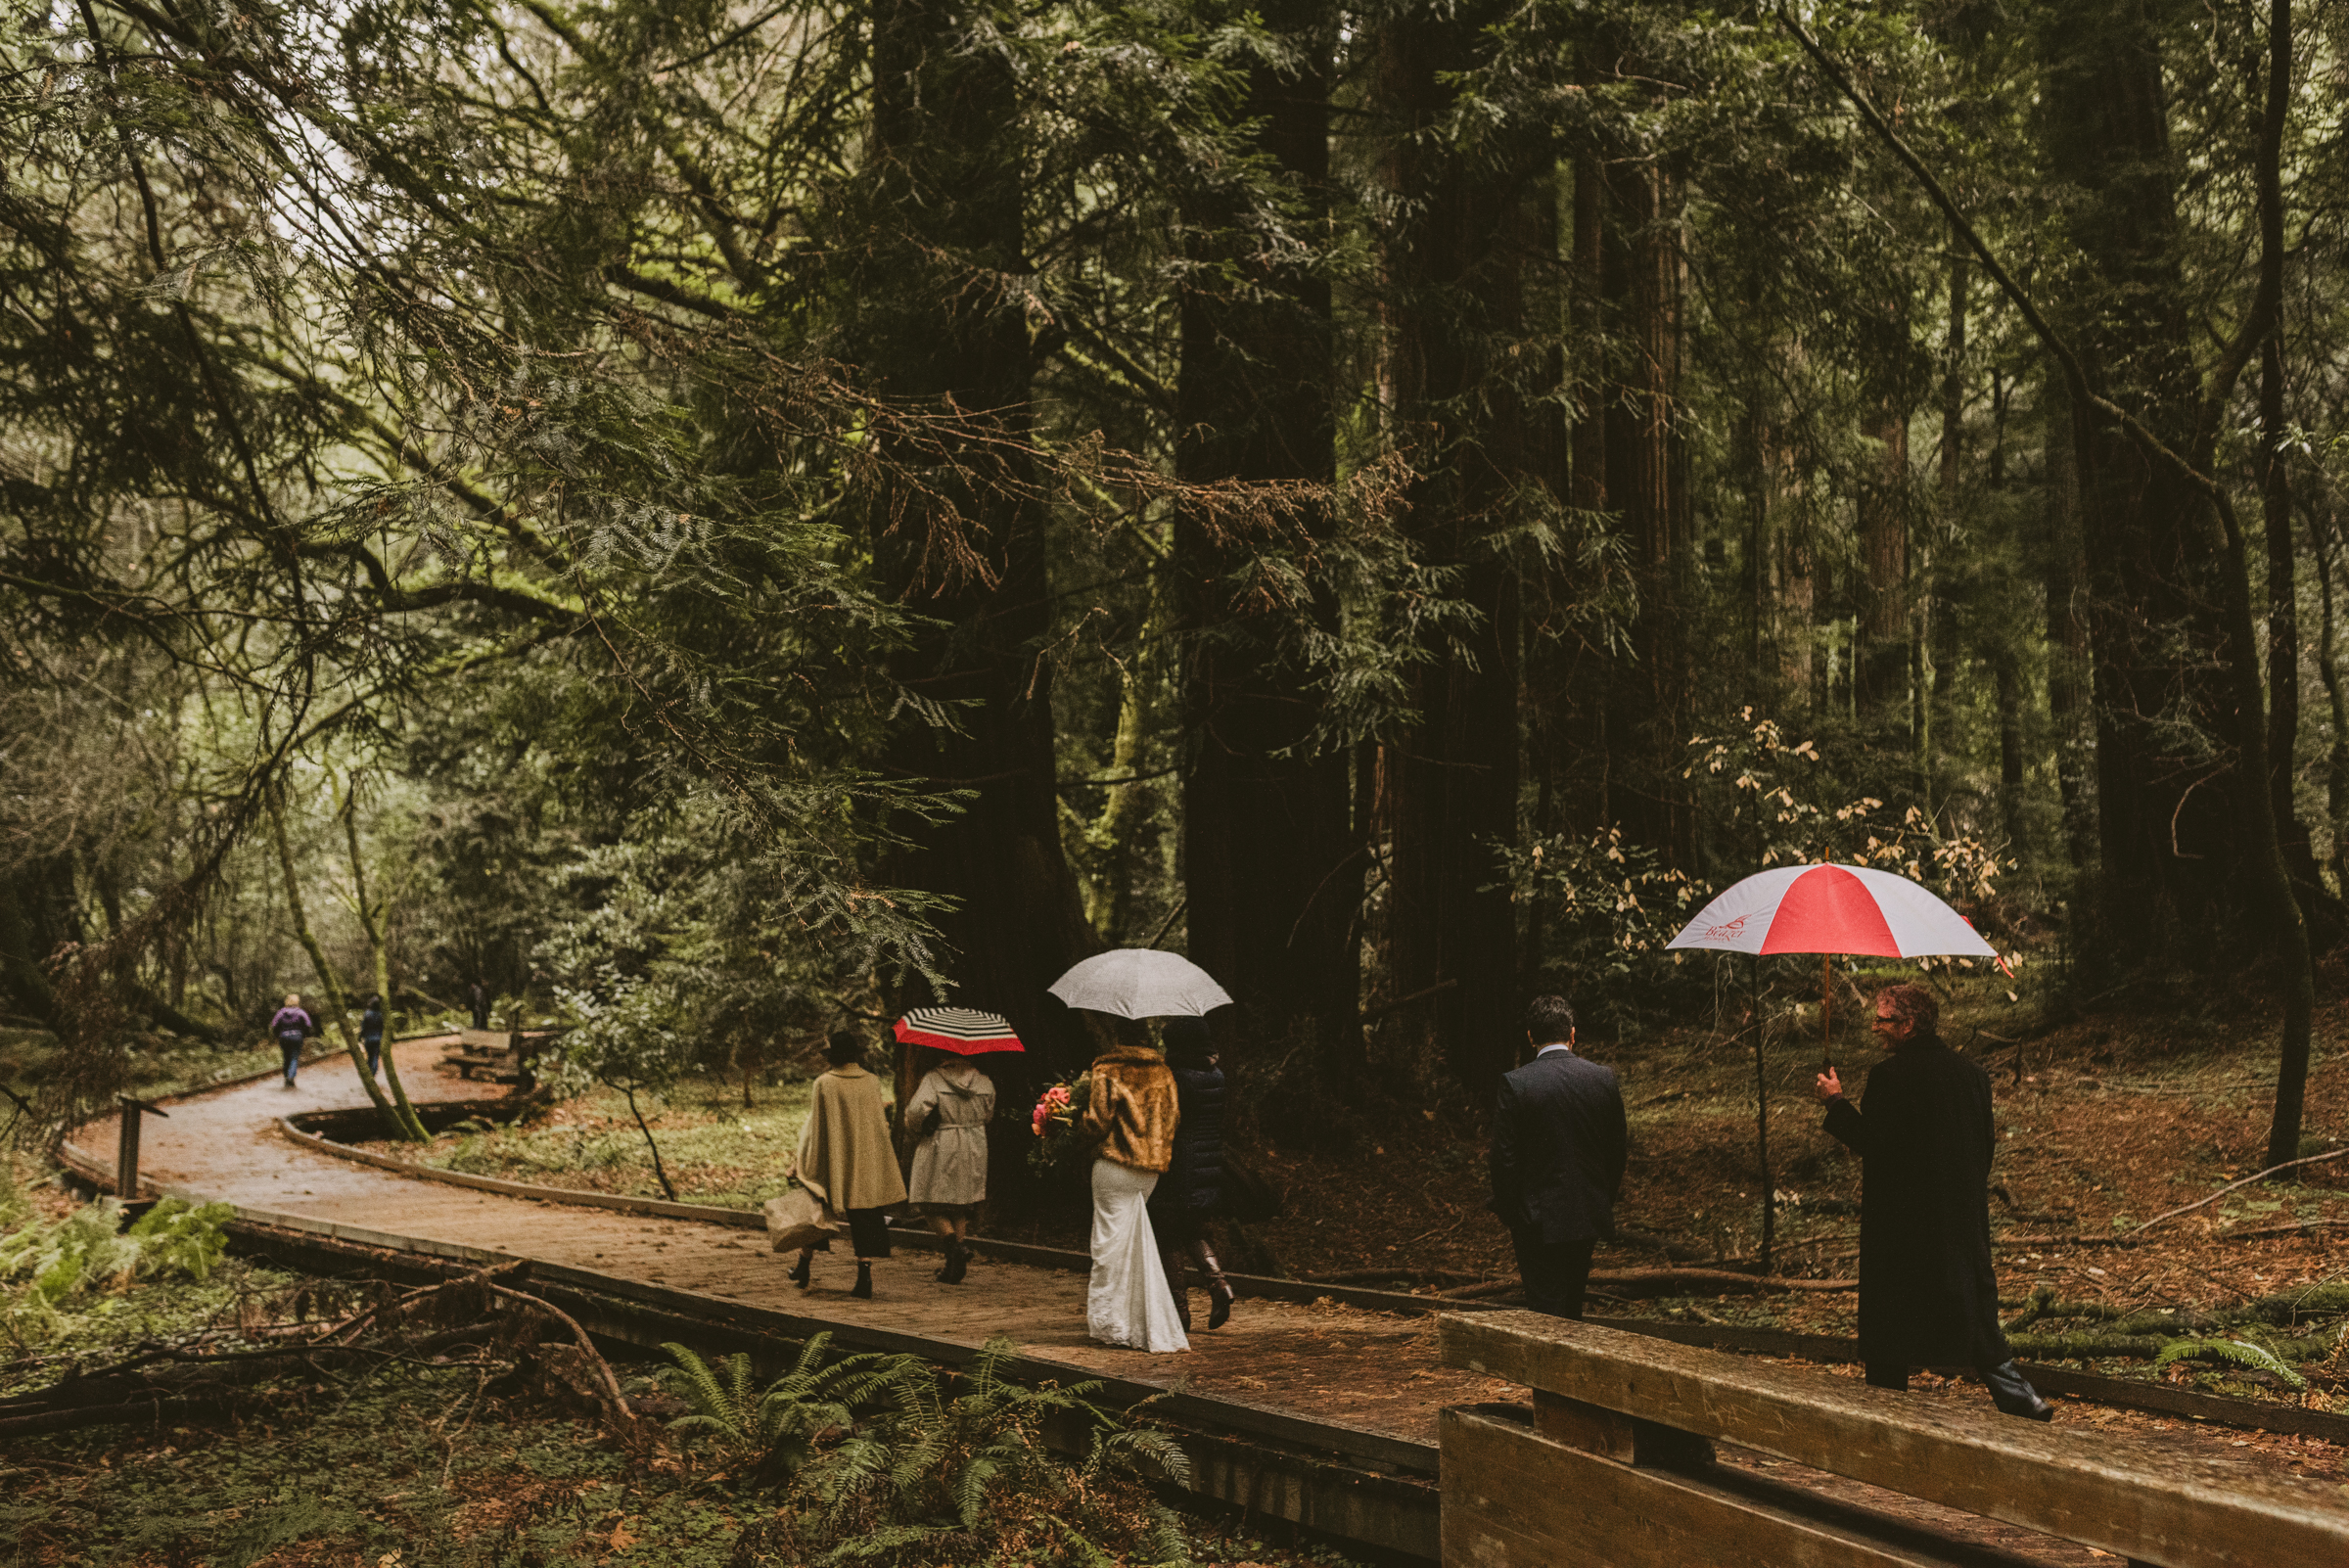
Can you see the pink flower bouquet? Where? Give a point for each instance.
(1054, 1123)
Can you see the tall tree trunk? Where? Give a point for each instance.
(1647, 492)
(2321, 535)
(1455, 261)
(2284, 625)
(2064, 571)
(965, 545)
(1272, 867)
(2173, 854)
(1880, 661)
(374, 920)
(404, 1127)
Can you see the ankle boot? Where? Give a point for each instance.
(865, 1281)
(958, 1263)
(1219, 1289)
(801, 1272)
(2013, 1396)
(1170, 1258)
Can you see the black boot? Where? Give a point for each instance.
(2015, 1397)
(865, 1281)
(1170, 1258)
(802, 1271)
(1219, 1289)
(958, 1263)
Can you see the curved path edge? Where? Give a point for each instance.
(708, 1214)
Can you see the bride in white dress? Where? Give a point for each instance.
(1131, 1109)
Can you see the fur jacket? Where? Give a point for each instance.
(1132, 1108)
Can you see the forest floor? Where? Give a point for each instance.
(410, 1466)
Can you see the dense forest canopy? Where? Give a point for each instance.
(718, 520)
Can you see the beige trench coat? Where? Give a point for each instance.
(846, 1156)
(951, 1165)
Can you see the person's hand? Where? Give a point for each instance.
(1830, 1087)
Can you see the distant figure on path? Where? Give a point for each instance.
(479, 996)
(1928, 1296)
(371, 1035)
(1559, 1148)
(1131, 1109)
(1192, 1188)
(948, 1114)
(291, 1027)
(846, 1162)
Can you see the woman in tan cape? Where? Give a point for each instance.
(845, 1161)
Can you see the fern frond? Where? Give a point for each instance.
(2232, 1352)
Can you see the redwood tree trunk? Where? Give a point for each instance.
(966, 545)
(2173, 847)
(1455, 261)
(1272, 867)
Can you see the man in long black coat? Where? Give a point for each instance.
(1928, 1296)
(1559, 1147)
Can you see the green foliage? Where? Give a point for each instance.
(1608, 907)
(770, 1434)
(2230, 1353)
(954, 1469)
(51, 1261)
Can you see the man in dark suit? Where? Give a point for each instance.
(1559, 1146)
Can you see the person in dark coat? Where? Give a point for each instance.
(1192, 1188)
(477, 995)
(1928, 1296)
(1561, 1143)
(371, 1035)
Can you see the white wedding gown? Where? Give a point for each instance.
(1127, 1302)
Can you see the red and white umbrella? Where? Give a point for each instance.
(964, 1030)
(1827, 909)
(1833, 908)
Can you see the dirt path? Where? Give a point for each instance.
(1330, 1363)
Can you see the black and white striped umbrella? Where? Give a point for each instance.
(964, 1030)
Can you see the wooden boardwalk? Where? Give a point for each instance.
(1330, 1363)
(1374, 1377)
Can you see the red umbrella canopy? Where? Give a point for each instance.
(964, 1030)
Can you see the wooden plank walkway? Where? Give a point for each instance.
(1374, 1377)
(1329, 1363)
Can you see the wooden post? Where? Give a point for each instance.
(127, 1148)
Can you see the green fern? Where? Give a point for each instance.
(2231, 1351)
(947, 1465)
(772, 1432)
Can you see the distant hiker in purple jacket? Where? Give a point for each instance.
(291, 1027)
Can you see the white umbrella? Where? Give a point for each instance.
(1141, 983)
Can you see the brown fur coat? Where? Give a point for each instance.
(1132, 1108)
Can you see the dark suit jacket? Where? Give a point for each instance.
(1559, 1146)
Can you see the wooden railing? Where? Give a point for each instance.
(1612, 1466)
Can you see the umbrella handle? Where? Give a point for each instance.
(1826, 1005)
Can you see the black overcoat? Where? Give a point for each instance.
(1193, 1187)
(1928, 1296)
